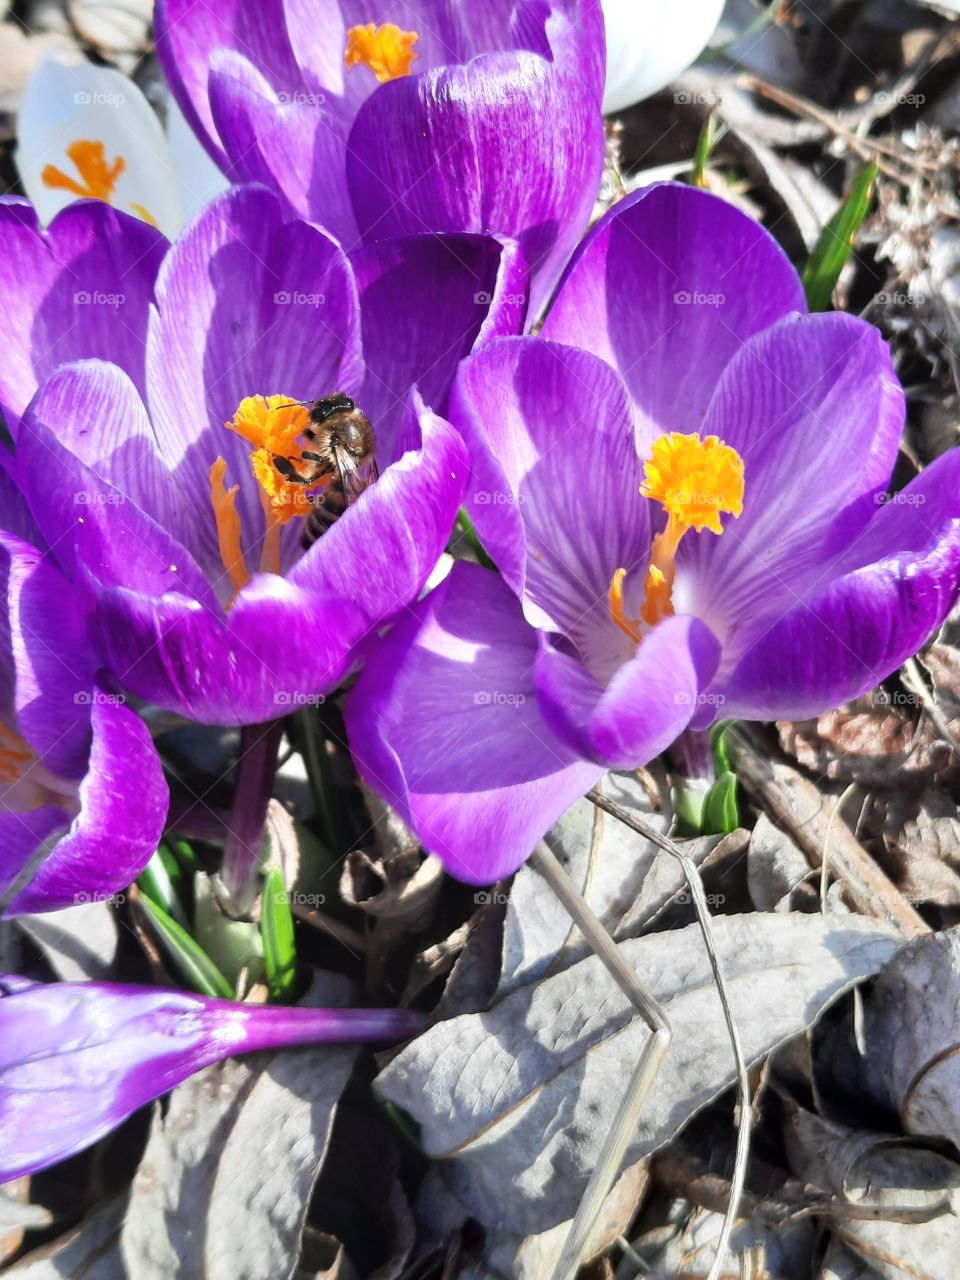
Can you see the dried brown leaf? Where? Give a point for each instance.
(115, 28)
(912, 1193)
(88, 1252)
(942, 661)
(913, 1038)
(841, 1263)
(921, 839)
(396, 888)
(775, 865)
(873, 743)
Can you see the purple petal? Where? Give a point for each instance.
(291, 142)
(667, 287)
(96, 529)
(77, 1058)
(569, 32)
(646, 705)
(445, 724)
(815, 410)
(96, 413)
(578, 40)
(51, 665)
(21, 835)
(249, 304)
(555, 490)
(80, 289)
(321, 57)
(429, 153)
(123, 804)
(873, 607)
(425, 302)
(278, 645)
(187, 34)
(15, 515)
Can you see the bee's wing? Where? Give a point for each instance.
(355, 478)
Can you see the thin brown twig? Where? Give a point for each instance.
(351, 938)
(868, 149)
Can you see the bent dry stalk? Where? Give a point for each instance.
(640, 1083)
(651, 1060)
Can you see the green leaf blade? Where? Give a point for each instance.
(832, 251)
(279, 940)
(195, 966)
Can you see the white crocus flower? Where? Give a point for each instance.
(88, 132)
(650, 42)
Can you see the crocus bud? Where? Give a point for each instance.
(648, 45)
(76, 1059)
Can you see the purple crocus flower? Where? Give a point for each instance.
(177, 529)
(380, 120)
(79, 290)
(82, 793)
(684, 486)
(76, 1059)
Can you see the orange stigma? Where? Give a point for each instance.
(696, 481)
(272, 425)
(98, 179)
(387, 50)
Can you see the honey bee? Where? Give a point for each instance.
(342, 456)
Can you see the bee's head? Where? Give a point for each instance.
(329, 405)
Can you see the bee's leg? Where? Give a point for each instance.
(288, 470)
